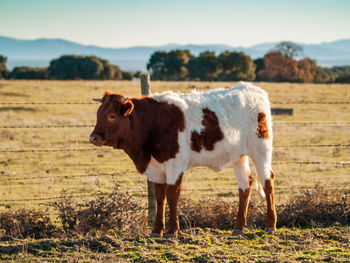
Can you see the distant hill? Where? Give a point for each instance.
(39, 52)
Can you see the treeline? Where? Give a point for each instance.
(278, 65)
(68, 67)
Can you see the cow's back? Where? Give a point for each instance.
(220, 125)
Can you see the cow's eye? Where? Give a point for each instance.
(111, 117)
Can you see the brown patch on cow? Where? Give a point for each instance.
(271, 216)
(209, 135)
(155, 128)
(241, 220)
(262, 129)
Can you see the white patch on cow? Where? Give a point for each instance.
(155, 172)
(237, 110)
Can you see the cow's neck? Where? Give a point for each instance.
(141, 122)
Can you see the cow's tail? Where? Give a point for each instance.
(259, 186)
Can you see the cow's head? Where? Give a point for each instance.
(113, 123)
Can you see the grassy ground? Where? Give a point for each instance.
(37, 175)
(195, 245)
(29, 179)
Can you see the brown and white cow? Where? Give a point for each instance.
(166, 134)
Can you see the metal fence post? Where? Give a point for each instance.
(146, 90)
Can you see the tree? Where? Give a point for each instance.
(175, 64)
(307, 70)
(110, 71)
(28, 73)
(169, 66)
(324, 75)
(3, 68)
(127, 75)
(278, 67)
(156, 65)
(345, 78)
(203, 67)
(83, 67)
(289, 49)
(259, 63)
(236, 66)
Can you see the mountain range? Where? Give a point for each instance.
(39, 52)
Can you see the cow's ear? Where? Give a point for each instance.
(127, 107)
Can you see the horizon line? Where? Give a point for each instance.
(170, 43)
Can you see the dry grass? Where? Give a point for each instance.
(117, 210)
(208, 199)
(121, 212)
(88, 237)
(24, 223)
(314, 207)
(40, 175)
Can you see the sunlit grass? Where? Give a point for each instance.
(45, 174)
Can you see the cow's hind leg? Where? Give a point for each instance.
(244, 181)
(262, 163)
(173, 194)
(159, 223)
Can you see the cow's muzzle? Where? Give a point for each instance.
(96, 140)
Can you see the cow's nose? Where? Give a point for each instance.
(93, 138)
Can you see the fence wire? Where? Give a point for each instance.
(137, 191)
(184, 193)
(110, 150)
(96, 103)
(48, 126)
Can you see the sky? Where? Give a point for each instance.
(116, 23)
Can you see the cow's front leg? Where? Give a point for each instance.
(173, 194)
(159, 223)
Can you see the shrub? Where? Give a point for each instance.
(207, 213)
(316, 207)
(28, 73)
(69, 67)
(113, 211)
(24, 223)
(127, 75)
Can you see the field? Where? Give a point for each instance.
(38, 161)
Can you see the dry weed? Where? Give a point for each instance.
(23, 223)
(113, 211)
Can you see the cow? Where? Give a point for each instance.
(169, 133)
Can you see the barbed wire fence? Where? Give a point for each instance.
(6, 202)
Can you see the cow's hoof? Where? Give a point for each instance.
(270, 230)
(170, 236)
(155, 235)
(237, 233)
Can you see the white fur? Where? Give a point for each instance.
(237, 110)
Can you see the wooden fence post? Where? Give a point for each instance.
(146, 90)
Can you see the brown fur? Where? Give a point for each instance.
(172, 194)
(241, 220)
(159, 223)
(271, 217)
(151, 129)
(209, 135)
(262, 129)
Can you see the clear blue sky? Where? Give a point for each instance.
(116, 23)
